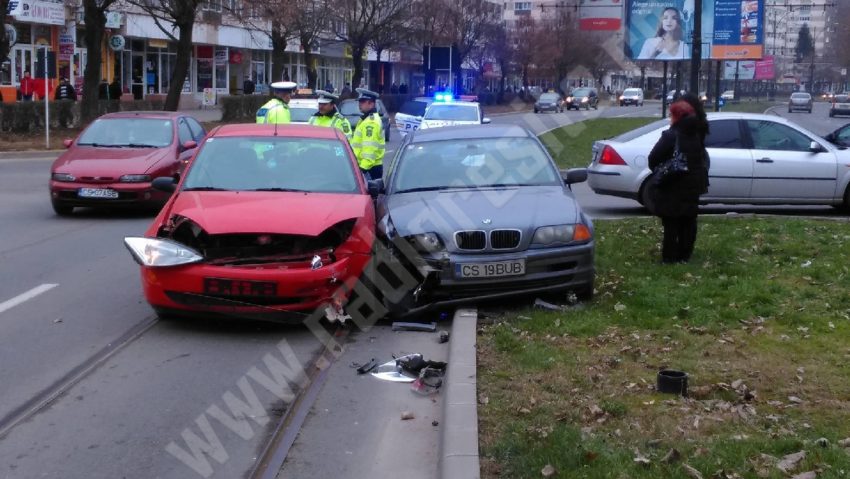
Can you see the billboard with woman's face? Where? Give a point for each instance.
(663, 29)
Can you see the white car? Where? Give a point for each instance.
(728, 95)
(755, 159)
(452, 113)
(632, 96)
(301, 109)
(409, 116)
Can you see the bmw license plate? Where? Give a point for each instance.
(97, 193)
(490, 270)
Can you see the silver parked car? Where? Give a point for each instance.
(483, 213)
(800, 101)
(755, 159)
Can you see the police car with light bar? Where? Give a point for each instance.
(446, 111)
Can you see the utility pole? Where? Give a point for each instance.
(664, 93)
(696, 51)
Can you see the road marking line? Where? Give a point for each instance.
(7, 305)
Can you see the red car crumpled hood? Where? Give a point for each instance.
(88, 161)
(229, 212)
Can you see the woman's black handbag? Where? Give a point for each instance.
(671, 169)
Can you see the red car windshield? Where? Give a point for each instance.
(272, 164)
(128, 133)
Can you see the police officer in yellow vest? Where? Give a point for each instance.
(276, 110)
(367, 141)
(328, 115)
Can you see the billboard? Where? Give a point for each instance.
(601, 15)
(662, 29)
(659, 30)
(738, 30)
(749, 69)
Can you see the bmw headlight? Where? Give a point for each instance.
(135, 179)
(426, 242)
(67, 177)
(569, 98)
(550, 235)
(157, 252)
(584, 100)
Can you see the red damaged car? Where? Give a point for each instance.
(267, 221)
(114, 160)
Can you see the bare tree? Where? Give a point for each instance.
(359, 21)
(171, 15)
(468, 23)
(310, 19)
(94, 13)
(5, 47)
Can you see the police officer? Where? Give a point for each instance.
(328, 115)
(276, 110)
(367, 141)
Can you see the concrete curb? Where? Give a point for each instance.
(30, 154)
(459, 435)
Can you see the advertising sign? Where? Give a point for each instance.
(661, 30)
(113, 20)
(765, 69)
(738, 29)
(601, 15)
(749, 69)
(36, 11)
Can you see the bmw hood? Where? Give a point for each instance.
(445, 212)
(230, 212)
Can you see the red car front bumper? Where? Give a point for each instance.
(299, 290)
(128, 194)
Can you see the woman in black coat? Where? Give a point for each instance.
(677, 201)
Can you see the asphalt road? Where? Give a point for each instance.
(96, 387)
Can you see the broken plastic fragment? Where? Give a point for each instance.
(336, 315)
(316, 262)
(391, 371)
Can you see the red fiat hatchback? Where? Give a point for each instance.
(269, 222)
(114, 160)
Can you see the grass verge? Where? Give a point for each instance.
(748, 106)
(760, 320)
(571, 145)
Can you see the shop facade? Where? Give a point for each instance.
(35, 25)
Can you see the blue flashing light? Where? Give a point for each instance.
(443, 97)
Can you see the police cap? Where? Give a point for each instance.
(284, 86)
(367, 94)
(326, 97)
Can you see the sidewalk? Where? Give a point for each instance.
(354, 429)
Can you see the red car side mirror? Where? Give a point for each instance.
(188, 145)
(67, 142)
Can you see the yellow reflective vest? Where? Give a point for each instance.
(274, 111)
(335, 121)
(367, 141)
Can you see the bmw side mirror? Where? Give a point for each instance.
(574, 175)
(485, 121)
(164, 183)
(376, 187)
(816, 147)
(67, 142)
(188, 145)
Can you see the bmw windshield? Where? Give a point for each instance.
(473, 163)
